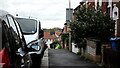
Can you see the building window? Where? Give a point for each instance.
(96, 4)
(100, 3)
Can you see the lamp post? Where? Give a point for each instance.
(69, 30)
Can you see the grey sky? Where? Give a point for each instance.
(51, 13)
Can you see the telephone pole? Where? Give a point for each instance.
(70, 46)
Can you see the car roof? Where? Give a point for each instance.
(3, 13)
(25, 18)
(38, 21)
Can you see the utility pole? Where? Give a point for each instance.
(70, 46)
(69, 12)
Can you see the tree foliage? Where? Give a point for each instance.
(65, 36)
(91, 24)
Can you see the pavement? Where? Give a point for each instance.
(60, 58)
(44, 62)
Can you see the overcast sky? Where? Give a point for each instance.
(51, 13)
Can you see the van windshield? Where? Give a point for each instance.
(28, 26)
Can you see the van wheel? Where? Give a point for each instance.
(26, 61)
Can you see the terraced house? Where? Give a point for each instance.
(112, 7)
(107, 6)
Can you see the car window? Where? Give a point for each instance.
(12, 23)
(19, 30)
(5, 19)
(0, 34)
(28, 26)
(5, 35)
(14, 33)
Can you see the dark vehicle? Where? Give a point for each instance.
(13, 48)
(33, 34)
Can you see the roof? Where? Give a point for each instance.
(21, 17)
(47, 35)
(25, 18)
(3, 13)
(58, 33)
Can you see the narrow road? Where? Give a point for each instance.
(60, 58)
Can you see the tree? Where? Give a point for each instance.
(91, 24)
(65, 38)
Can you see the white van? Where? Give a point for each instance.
(33, 34)
(30, 28)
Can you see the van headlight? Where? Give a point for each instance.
(34, 46)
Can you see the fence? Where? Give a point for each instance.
(111, 58)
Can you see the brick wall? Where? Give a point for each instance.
(104, 7)
(90, 51)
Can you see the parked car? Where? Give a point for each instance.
(13, 48)
(33, 34)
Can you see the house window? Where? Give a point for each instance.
(96, 4)
(110, 3)
(100, 3)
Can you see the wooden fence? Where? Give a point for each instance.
(111, 58)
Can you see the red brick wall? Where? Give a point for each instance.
(104, 6)
(91, 3)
